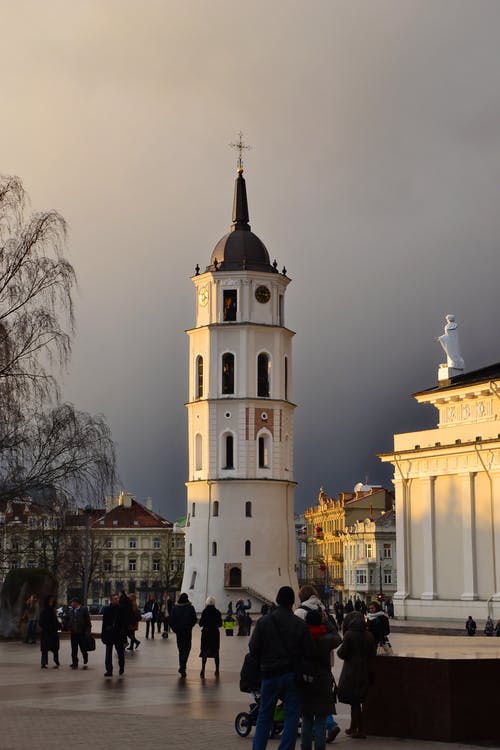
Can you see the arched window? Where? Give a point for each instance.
(193, 510)
(227, 373)
(229, 452)
(263, 369)
(264, 450)
(248, 509)
(199, 377)
(216, 508)
(230, 302)
(248, 548)
(193, 579)
(286, 378)
(214, 549)
(190, 549)
(235, 576)
(198, 461)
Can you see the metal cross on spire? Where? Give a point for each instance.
(241, 147)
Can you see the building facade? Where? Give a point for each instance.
(326, 523)
(447, 483)
(240, 490)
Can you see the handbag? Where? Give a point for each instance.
(89, 642)
(385, 649)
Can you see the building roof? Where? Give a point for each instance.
(131, 517)
(483, 375)
(240, 249)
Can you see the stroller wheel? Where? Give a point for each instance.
(243, 724)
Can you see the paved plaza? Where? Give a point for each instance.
(150, 708)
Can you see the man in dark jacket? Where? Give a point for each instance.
(80, 626)
(114, 633)
(182, 621)
(282, 644)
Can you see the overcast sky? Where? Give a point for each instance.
(374, 177)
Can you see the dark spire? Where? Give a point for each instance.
(240, 204)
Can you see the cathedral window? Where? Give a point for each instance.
(216, 508)
(199, 377)
(198, 452)
(248, 548)
(230, 301)
(248, 509)
(263, 370)
(229, 452)
(227, 373)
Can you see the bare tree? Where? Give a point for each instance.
(41, 444)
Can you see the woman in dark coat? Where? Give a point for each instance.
(378, 623)
(182, 622)
(318, 698)
(210, 622)
(357, 650)
(49, 637)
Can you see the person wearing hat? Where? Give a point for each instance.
(79, 626)
(182, 622)
(282, 644)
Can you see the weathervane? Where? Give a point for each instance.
(241, 147)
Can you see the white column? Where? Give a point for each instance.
(402, 550)
(427, 485)
(469, 537)
(495, 520)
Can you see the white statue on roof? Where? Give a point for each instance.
(450, 343)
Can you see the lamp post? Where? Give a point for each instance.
(87, 510)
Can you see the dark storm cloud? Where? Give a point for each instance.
(374, 178)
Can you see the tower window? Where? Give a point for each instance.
(248, 548)
(227, 373)
(216, 508)
(280, 310)
(190, 549)
(248, 509)
(193, 580)
(198, 462)
(263, 367)
(214, 549)
(230, 304)
(229, 446)
(263, 451)
(193, 510)
(199, 377)
(286, 378)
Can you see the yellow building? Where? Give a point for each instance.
(325, 526)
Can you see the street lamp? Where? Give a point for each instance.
(88, 511)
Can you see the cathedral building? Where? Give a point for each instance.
(240, 492)
(447, 483)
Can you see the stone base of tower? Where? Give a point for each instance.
(240, 541)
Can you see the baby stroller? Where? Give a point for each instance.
(245, 720)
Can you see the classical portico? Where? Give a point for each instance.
(447, 483)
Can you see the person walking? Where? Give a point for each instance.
(281, 643)
(210, 622)
(49, 632)
(167, 611)
(80, 627)
(133, 626)
(470, 626)
(32, 613)
(182, 622)
(114, 633)
(319, 700)
(489, 628)
(357, 651)
(151, 615)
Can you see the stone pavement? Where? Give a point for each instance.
(150, 708)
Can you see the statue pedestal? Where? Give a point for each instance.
(445, 373)
(444, 700)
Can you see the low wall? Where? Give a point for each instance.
(448, 700)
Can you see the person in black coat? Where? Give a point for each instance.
(115, 623)
(49, 632)
(182, 622)
(152, 607)
(210, 622)
(378, 623)
(319, 701)
(357, 650)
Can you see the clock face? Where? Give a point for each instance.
(262, 294)
(203, 296)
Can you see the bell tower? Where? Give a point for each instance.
(240, 540)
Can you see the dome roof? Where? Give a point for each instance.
(240, 249)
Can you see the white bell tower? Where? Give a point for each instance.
(240, 540)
